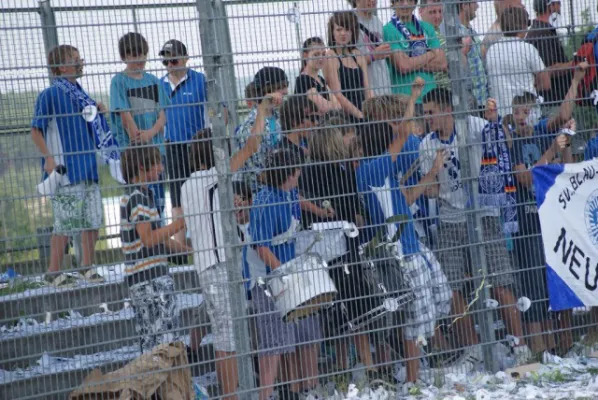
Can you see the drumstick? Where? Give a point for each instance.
(410, 171)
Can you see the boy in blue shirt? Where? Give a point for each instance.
(187, 115)
(378, 180)
(64, 137)
(539, 143)
(137, 102)
(272, 225)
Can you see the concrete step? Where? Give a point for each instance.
(85, 298)
(58, 385)
(88, 335)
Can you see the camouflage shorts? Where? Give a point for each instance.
(77, 207)
(157, 316)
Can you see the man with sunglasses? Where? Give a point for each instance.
(185, 117)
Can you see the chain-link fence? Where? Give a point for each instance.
(306, 199)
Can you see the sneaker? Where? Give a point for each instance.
(522, 354)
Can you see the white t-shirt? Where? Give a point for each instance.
(378, 76)
(453, 197)
(201, 207)
(512, 65)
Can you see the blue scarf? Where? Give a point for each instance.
(105, 143)
(496, 184)
(417, 45)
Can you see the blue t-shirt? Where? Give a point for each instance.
(591, 150)
(527, 151)
(144, 98)
(187, 113)
(378, 182)
(271, 215)
(69, 137)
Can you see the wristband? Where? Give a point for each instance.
(372, 57)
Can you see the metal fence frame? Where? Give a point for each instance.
(215, 39)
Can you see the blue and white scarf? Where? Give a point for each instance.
(496, 184)
(417, 45)
(105, 143)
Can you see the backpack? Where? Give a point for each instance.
(589, 84)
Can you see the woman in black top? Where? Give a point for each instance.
(331, 177)
(310, 82)
(345, 68)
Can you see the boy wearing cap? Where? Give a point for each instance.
(186, 116)
(269, 82)
(137, 103)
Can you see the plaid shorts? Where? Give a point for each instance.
(77, 207)
(274, 336)
(216, 292)
(455, 260)
(157, 317)
(422, 273)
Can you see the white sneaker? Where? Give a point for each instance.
(522, 354)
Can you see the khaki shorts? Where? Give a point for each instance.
(77, 207)
(216, 292)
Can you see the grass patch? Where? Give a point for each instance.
(20, 286)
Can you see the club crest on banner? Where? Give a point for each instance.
(591, 217)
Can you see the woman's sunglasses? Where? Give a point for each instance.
(174, 61)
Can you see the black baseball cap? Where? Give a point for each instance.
(174, 48)
(269, 76)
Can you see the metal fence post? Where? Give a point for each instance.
(49, 29)
(135, 28)
(214, 41)
(474, 226)
(229, 85)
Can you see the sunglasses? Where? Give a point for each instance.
(173, 62)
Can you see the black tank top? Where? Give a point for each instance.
(351, 80)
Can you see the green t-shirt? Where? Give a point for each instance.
(401, 83)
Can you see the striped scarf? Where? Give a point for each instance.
(496, 184)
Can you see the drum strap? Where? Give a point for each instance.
(288, 235)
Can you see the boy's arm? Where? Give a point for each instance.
(146, 136)
(151, 238)
(566, 108)
(252, 144)
(399, 141)
(312, 208)
(41, 117)
(129, 125)
(428, 184)
(524, 174)
(176, 246)
(268, 257)
(40, 142)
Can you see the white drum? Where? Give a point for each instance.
(327, 239)
(301, 287)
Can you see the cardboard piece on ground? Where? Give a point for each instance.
(163, 371)
(519, 372)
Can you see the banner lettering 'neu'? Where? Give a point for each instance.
(567, 197)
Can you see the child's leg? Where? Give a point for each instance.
(92, 220)
(502, 281)
(309, 335)
(57, 245)
(420, 313)
(454, 263)
(268, 372)
(274, 338)
(216, 292)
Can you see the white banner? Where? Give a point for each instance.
(567, 198)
